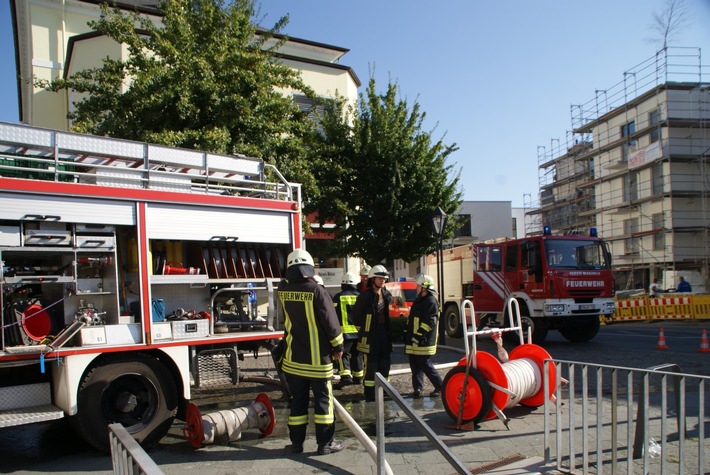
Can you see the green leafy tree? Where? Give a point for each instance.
(202, 79)
(380, 176)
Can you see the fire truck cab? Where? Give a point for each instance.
(132, 273)
(560, 283)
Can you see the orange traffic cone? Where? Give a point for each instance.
(704, 346)
(661, 341)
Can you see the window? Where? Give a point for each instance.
(630, 187)
(659, 239)
(654, 118)
(657, 178)
(488, 258)
(511, 258)
(631, 243)
(463, 225)
(313, 108)
(627, 130)
(591, 168)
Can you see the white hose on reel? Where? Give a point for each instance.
(524, 379)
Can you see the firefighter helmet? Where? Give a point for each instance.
(365, 270)
(350, 279)
(299, 256)
(378, 271)
(319, 280)
(426, 281)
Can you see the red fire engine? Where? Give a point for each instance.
(560, 282)
(132, 273)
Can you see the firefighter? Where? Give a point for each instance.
(371, 314)
(314, 339)
(350, 370)
(420, 340)
(364, 277)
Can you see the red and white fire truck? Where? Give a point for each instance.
(132, 273)
(560, 282)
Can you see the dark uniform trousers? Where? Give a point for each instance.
(379, 360)
(351, 362)
(323, 409)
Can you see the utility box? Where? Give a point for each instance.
(190, 328)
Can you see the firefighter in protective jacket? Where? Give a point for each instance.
(420, 340)
(350, 370)
(314, 339)
(371, 314)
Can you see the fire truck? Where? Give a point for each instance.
(560, 283)
(132, 273)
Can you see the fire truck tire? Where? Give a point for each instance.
(477, 401)
(581, 329)
(452, 322)
(538, 326)
(137, 391)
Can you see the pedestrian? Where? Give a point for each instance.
(371, 314)
(422, 332)
(351, 369)
(653, 288)
(314, 339)
(684, 285)
(364, 278)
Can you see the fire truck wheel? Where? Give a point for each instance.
(580, 329)
(137, 391)
(452, 322)
(477, 399)
(538, 326)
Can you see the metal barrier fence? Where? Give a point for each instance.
(382, 387)
(662, 307)
(127, 456)
(623, 420)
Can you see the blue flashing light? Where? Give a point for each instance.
(547, 231)
(593, 232)
(403, 279)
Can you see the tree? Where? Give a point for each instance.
(380, 176)
(671, 21)
(202, 79)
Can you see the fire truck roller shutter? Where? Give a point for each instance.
(69, 210)
(195, 223)
(133, 389)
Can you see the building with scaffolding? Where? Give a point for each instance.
(635, 166)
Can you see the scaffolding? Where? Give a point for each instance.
(635, 166)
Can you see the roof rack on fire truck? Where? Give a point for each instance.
(37, 153)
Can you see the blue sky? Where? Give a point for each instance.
(496, 77)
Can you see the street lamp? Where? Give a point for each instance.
(438, 218)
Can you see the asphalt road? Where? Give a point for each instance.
(53, 448)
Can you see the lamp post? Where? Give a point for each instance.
(438, 218)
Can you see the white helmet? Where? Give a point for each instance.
(299, 256)
(426, 281)
(365, 270)
(319, 280)
(350, 279)
(378, 271)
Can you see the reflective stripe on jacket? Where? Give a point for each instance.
(344, 302)
(364, 312)
(422, 325)
(312, 327)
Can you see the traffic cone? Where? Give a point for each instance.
(704, 346)
(661, 341)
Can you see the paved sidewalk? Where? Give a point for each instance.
(491, 448)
